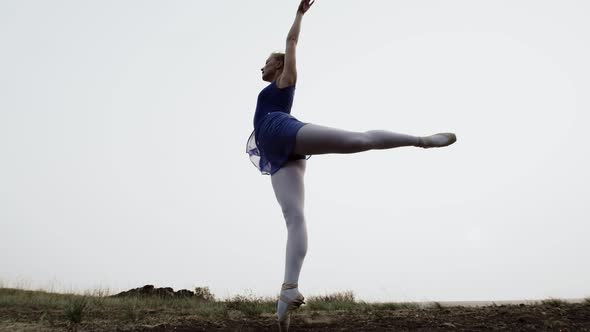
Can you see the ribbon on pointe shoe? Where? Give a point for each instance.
(289, 286)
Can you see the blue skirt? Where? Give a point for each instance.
(272, 142)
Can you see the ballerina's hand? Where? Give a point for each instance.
(304, 6)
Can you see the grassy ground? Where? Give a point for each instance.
(26, 310)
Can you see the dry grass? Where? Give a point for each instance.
(27, 310)
(555, 302)
(96, 305)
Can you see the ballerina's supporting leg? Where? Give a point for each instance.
(314, 139)
(288, 186)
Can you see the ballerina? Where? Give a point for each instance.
(280, 146)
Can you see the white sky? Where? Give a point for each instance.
(123, 127)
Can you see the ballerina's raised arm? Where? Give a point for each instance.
(289, 75)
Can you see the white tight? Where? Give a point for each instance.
(288, 185)
(315, 139)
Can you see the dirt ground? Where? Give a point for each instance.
(541, 317)
(570, 317)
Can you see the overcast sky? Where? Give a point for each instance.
(123, 128)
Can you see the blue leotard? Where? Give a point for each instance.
(272, 141)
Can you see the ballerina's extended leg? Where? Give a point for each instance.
(314, 139)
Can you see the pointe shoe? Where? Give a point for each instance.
(437, 140)
(292, 304)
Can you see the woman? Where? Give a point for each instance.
(280, 145)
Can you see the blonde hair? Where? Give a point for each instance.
(279, 56)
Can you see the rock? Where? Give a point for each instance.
(147, 288)
(164, 292)
(201, 293)
(184, 293)
(151, 291)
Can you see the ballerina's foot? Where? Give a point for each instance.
(289, 300)
(282, 305)
(437, 140)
